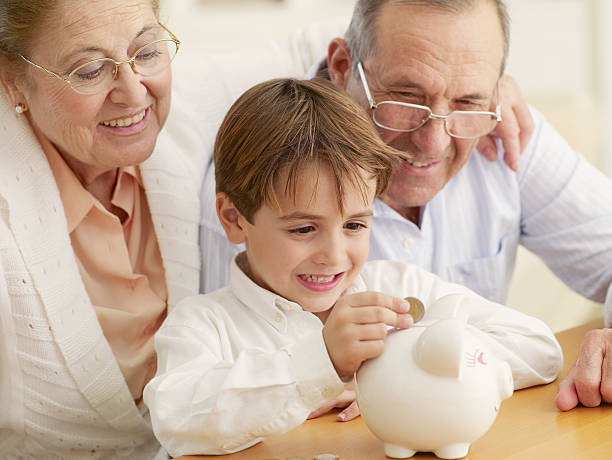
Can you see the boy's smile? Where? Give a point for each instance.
(309, 251)
(321, 282)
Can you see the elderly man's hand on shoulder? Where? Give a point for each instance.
(515, 129)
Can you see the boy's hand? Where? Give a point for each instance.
(345, 400)
(357, 326)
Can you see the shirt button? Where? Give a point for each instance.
(408, 243)
(278, 318)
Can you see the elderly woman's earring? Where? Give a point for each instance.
(21, 108)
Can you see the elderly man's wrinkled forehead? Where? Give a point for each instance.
(418, 30)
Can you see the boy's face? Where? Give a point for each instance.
(309, 252)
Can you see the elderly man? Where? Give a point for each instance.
(428, 72)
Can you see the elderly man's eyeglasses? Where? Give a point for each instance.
(405, 117)
(97, 75)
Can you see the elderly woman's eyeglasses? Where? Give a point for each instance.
(405, 117)
(97, 75)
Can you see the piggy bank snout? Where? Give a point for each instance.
(505, 381)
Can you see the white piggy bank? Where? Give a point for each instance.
(435, 388)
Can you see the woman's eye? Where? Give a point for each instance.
(149, 53)
(90, 72)
(302, 230)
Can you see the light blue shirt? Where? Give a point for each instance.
(558, 206)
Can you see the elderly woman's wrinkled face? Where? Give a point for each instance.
(118, 126)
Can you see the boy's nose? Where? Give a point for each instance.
(330, 251)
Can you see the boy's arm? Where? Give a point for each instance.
(525, 342)
(215, 393)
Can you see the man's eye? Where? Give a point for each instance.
(470, 105)
(409, 96)
(302, 230)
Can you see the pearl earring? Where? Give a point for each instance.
(21, 108)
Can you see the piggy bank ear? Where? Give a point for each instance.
(439, 349)
(448, 306)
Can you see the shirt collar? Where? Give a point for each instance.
(270, 306)
(382, 210)
(76, 199)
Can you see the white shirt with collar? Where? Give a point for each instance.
(242, 363)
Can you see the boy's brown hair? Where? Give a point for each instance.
(287, 125)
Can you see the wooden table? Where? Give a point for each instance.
(528, 427)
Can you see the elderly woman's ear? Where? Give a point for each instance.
(9, 85)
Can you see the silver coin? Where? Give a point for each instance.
(417, 310)
(326, 457)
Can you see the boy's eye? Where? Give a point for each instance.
(355, 226)
(302, 230)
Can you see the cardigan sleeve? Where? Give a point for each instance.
(11, 416)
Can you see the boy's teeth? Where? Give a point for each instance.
(418, 164)
(123, 122)
(318, 279)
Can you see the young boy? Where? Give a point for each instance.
(298, 165)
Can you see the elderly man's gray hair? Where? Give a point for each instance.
(361, 38)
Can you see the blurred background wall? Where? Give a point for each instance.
(560, 55)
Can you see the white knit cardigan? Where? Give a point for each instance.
(62, 394)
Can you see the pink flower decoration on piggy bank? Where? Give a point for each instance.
(435, 388)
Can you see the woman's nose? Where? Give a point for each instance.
(128, 88)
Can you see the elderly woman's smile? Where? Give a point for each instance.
(115, 96)
(129, 122)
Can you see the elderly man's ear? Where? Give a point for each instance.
(339, 62)
(231, 219)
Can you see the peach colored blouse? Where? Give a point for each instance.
(120, 264)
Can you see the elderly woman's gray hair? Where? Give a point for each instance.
(361, 35)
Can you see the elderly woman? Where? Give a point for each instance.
(97, 234)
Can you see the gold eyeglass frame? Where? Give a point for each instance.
(130, 61)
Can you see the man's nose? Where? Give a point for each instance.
(432, 138)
